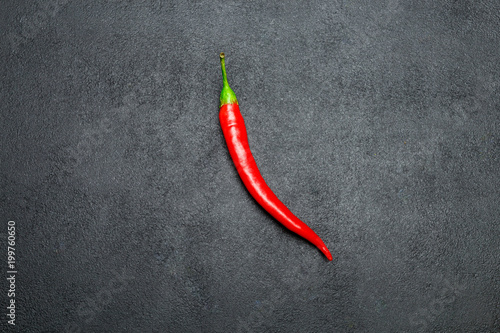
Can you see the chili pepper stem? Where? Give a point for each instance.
(227, 95)
(223, 66)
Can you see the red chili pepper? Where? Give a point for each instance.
(233, 127)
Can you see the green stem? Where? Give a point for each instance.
(227, 95)
(223, 66)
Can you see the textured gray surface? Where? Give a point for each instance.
(376, 122)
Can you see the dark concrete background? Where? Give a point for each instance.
(376, 122)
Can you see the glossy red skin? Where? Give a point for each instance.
(235, 133)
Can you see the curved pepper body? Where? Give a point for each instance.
(235, 134)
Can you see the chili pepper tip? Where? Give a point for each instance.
(221, 55)
(327, 253)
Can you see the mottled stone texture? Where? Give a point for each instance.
(376, 121)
